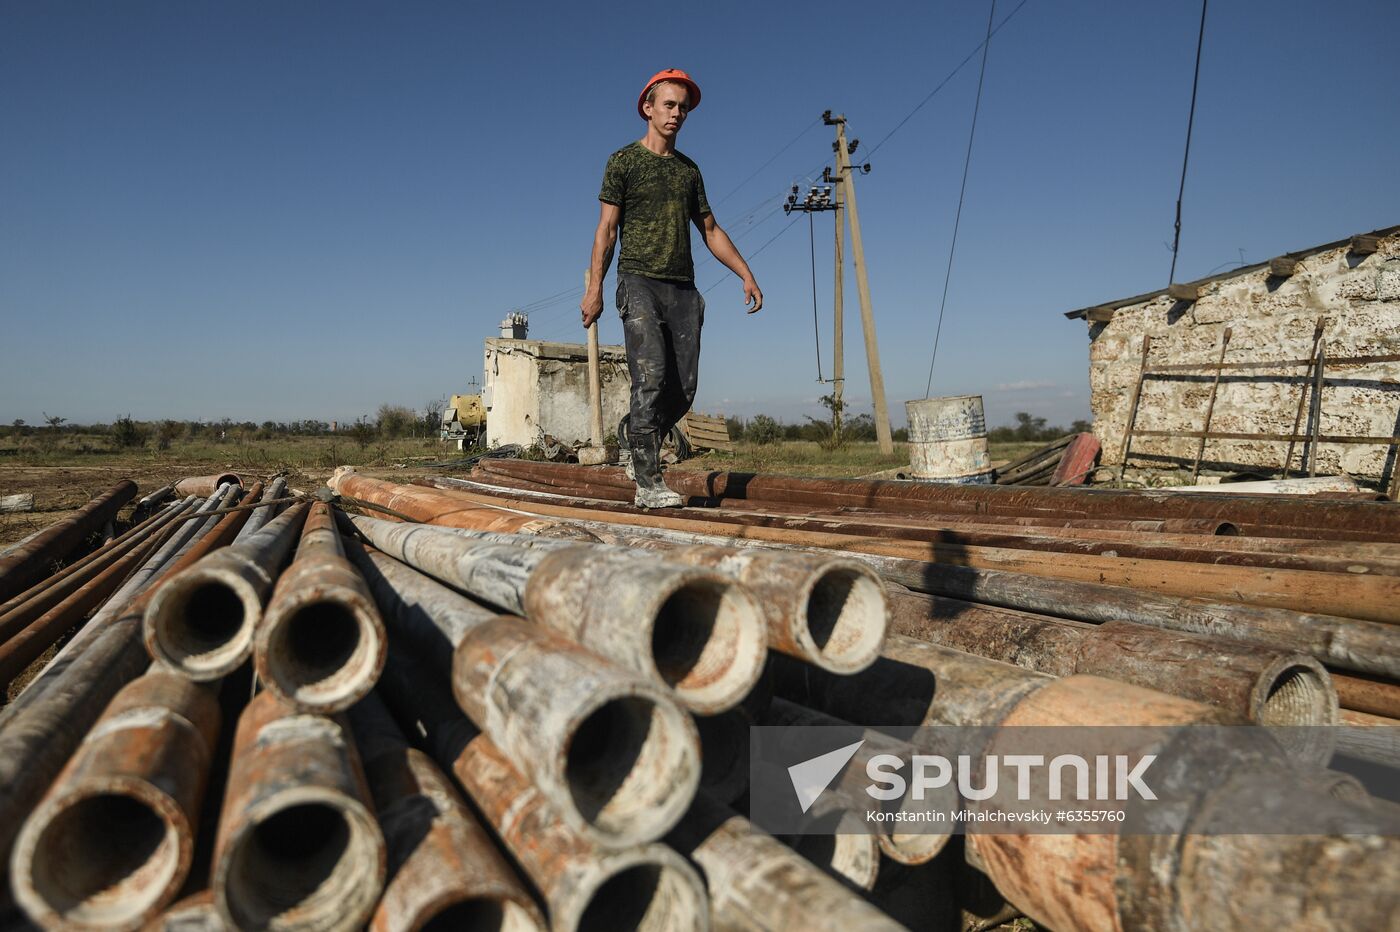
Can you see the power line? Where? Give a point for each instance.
(945, 81)
(962, 191)
(770, 161)
(1186, 156)
(755, 253)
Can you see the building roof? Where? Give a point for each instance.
(1083, 312)
(548, 349)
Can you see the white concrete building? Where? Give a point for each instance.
(535, 387)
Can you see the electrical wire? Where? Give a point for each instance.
(931, 94)
(962, 191)
(1186, 156)
(771, 160)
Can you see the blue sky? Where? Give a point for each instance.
(289, 210)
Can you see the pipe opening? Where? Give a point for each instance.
(480, 915)
(204, 627)
(1297, 696)
(838, 843)
(323, 653)
(1226, 529)
(708, 644)
(846, 617)
(647, 897)
(105, 860)
(309, 858)
(629, 768)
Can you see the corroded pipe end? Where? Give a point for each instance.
(1295, 690)
(834, 840)
(104, 857)
(205, 486)
(845, 617)
(201, 622)
(708, 641)
(912, 848)
(649, 889)
(309, 854)
(321, 647)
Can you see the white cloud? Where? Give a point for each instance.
(1022, 386)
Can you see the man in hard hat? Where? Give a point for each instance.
(654, 193)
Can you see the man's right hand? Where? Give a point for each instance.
(591, 307)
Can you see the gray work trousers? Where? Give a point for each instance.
(661, 323)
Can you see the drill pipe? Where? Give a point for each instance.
(206, 485)
(320, 645)
(38, 598)
(42, 726)
(1364, 694)
(646, 888)
(758, 884)
(1213, 877)
(686, 628)
(1242, 511)
(25, 645)
(443, 865)
(827, 610)
(1257, 552)
(147, 504)
(610, 750)
(917, 847)
(111, 844)
(262, 516)
(1370, 596)
(830, 838)
(202, 620)
(445, 510)
(298, 846)
(1344, 643)
(28, 563)
(1267, 687)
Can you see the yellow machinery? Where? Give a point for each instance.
(463, 421)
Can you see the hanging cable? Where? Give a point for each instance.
(962, 190)
(816, 328)
(1186, 157)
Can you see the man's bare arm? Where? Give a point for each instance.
(724, 250)
(604, 241)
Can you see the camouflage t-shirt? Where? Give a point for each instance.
(659, 195)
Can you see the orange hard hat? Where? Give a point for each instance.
(669, 74)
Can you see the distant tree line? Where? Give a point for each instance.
(764, 429)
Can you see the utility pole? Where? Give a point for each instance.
(838, 338)
(846, 184)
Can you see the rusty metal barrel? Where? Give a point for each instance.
(299, 847)
(112, 842)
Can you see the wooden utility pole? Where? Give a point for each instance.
(867, 319)
(838, 339)
(595, 382)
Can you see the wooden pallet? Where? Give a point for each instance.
(706, 432)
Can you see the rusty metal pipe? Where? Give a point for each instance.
(444, 869)
(42, 726)
(48, 592)
(444, 510)
(298, 845)
(202, 620)
(260, 517)
(610, 750)
(756, 882)
(691, 630)
(320, 645)
(28, 563)
(910, 848)
(646, 888)
(1366, 694)
(827, 610)
(1267, 687)
(111, 844)
(206, 485)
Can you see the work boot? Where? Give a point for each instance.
(646, 466)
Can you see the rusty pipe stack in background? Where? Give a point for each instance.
(689, 629)
(29, 562)
(298, 845)
(320, 645)
(260, 517)
(609, 749)
(112, 842)
(443, 866)
(202, 620)
(206, 485)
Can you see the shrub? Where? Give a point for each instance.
(126, 433)
(762, 429)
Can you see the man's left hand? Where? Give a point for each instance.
(752, 296)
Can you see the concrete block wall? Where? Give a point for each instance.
(536, 387)
(1270, 318)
